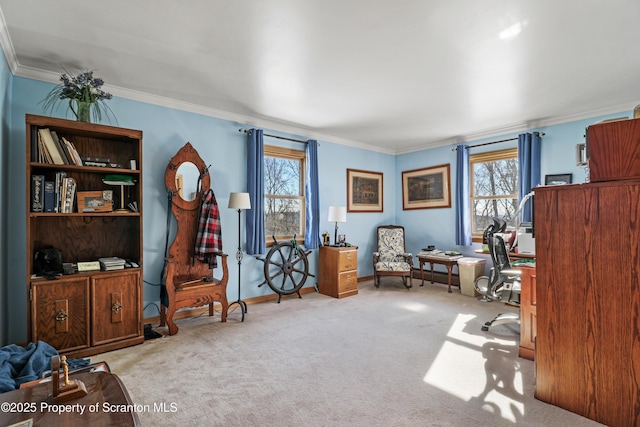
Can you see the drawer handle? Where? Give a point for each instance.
(116, 307)
(61, 316)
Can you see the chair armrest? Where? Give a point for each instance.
(376, 257)
(408, 258)
(510, 272)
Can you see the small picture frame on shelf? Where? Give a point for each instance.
(558, 179)
(95, 201)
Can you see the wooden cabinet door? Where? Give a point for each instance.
(528, 313)
(60, 310)
(115, 301)
(588, 300)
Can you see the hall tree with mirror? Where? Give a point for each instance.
(189, 273)
(82, 313)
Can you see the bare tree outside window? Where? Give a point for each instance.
(284, 193)
(494, 189)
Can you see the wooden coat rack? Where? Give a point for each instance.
(188, 281)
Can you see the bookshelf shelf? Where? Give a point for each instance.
(85, 313)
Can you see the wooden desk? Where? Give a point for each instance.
(33, 403)
(446, 261)
(512, 255)
(527, 312)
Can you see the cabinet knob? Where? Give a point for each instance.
(61, 316)
(116, 307)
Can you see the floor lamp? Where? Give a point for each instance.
(239, 201)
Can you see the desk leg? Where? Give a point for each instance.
(449, 269)
(422, 272)
(431, 265)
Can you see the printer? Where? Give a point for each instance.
(526, 241)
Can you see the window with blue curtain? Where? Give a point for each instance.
(283, 184)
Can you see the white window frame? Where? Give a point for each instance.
(289, 154)
(490, 156)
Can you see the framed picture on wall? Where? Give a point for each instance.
(364, 191)
(426, 188)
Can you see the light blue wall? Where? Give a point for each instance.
(222, 146)
(437, 226)
(219, 143)
(5, 113)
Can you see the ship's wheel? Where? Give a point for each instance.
(286, 268)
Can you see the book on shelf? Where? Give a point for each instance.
(69, 186)
(50, 146)
(77, 160)
(62, 151)
(60, 175)
(43, 153)
(49, 196)
(37, 193)
(112, 263)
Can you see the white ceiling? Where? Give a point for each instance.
(395, 76)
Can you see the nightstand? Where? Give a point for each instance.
(338, 271)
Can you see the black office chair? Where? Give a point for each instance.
(503, 282)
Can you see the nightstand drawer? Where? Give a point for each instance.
(347, 281)
(348, 260)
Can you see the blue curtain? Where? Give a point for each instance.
(463, 220)
(529, 149)
(312, 227)
(255, 186)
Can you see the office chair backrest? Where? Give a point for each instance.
(500, 253)
(500, 260)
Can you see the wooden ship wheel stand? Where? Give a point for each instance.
(188, 281)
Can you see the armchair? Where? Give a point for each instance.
(391, 258)
(503, 282)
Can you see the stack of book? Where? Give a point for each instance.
(111, 263)
(53, 196)
(56, 150)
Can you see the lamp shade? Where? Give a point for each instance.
(239, 201)
(337, 214)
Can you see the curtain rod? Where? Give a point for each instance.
(490, 143)
(274, 136)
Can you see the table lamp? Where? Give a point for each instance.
(239, 201)
(120, 180)
(337, 214)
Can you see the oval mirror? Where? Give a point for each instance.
(187, 181)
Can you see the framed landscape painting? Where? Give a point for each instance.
(426, 188)
(364, 191)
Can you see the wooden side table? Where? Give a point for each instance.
(446, 261)
(101, 387)
(338, 271)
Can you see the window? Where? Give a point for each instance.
(494, 189)
(284, 202)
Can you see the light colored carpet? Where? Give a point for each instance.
(386, 357)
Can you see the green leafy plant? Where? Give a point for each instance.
(85, 97)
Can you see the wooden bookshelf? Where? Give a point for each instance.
(82, 314)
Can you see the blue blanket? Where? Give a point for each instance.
(19, 365)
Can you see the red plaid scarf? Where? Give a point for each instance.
(209, 237)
